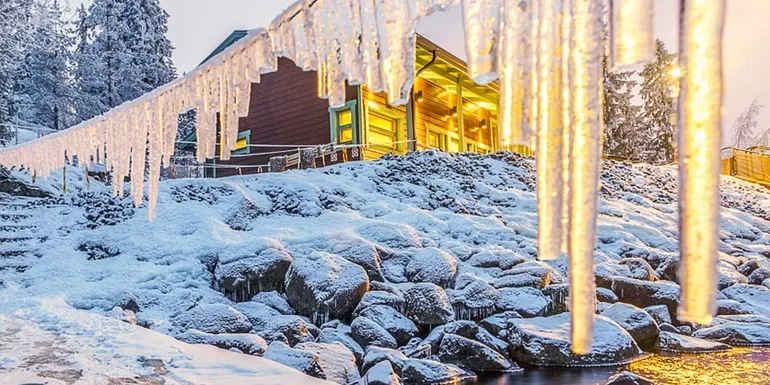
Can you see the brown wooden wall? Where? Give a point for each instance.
(285, 109)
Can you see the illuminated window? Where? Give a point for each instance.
(242, 145)
(343, 123)
(384, 134)
(437, 140)
(454, 145)
(346, 135)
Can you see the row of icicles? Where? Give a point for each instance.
(546, 55)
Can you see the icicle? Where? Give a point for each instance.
(138, 140)
(632, 38)
(700, 127)
(370, 45)
(397, 48)
(512, 55)
(550, 178)
(482, 26)
(567, 128)
(586, 154)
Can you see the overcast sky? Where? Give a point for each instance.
(196, 27)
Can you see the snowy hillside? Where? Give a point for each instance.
(392, 249)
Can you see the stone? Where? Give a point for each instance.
(755, 299)
(668, 270)
(241, 277)
(213, 319)
(731, 307)
(606, 295)
(728, 276)
(288, 329)
(258, 314)
(366, 333)
(639, 269)
(275, 300)
(375, 354)
(343, 336)
(428, 304)
(672, 342)
(759, 275)
(547, 342)
(636, 321)
(737, 334)
(667, 327)
(659, 313)
(431, 265)
(246, 343)
(527, 301)
(499, 322)
(382, 374)
(558, 295)
(304, 361)
(471, 355)
(628, 378)
(372, 298)
(605, 273)
(395, 323)
(752, 264)
(325, 286)
(643, 293)
(427, 372)
(475, 301)
(337, 362)
(740, 318)
(518, 276)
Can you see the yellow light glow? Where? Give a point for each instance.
(632, 32)
(675, 72)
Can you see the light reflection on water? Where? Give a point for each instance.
(739, 366)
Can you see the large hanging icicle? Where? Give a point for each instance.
(482, 23)
(566, 115)
(586, 155)
(700, 127)
(632, 38)
(513, 53)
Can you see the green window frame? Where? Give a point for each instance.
(397, 118)
(243, 136)
(344, 124)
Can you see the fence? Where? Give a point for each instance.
(752, 164)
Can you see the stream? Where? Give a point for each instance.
(739, 366)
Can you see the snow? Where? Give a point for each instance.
(58, 338)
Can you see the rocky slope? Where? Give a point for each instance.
(419, 269)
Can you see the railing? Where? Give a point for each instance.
(752, 164)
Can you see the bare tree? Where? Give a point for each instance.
(764, 139)
(744, 126)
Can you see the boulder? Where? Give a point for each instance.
(240, 277)
(386, 287)
(427, 372)
(304, 361)
(395, 323)
(628, 378)
(672, 342)
(728, 276)
(638, 269)
(431, 265)
(667, 327)
(246, 343)
(558, 295)
(636, 321)
(499, 322)
(499, 345)
(366, 333)
(471, 355)
(288, 329)
(527, 301)
(737, 334)
(759, 275)
(766, 283)
(474, 301)
(740, 318)
(643, 293)
(731, 307)
(605, 274)
(325, 286)
(606, 295)
(756, 299)
(275, 300)
(749, 266)
(669, 270)
(659, 313)
(467, 329)
(547, 342)
(518, 276)
(382, 374)
(259, 315)
(343, 336)
(336, 361)
(375, 354)
(428, 304)
(213, 319)
(372, 298)
(360, 252)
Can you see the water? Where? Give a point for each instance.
(740, 366)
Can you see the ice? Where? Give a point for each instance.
(513, 51)
(482, 24)
(700, 122)
(633, 40)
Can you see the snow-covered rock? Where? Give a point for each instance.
(258, 314)
(643, 293)
(375, 354)
(737, 334)
(672, 342)
(729, 276)
(749, 266)
(433, 266)
(559, 296)
(740, 318)
(638, 269)
(337, 362)
(523, 276)
(275, 300)
(395, 323)
(246, 343)
(471, 355)
(759, 275)
(382, 374)
(127, 316)
(606, 295)
(343, 335)
(426, 372)
(476, 300)
(352, 248)
(546, 342)
(659, 313)
(372, 298)
(731, 307)
(636, 321)
(325, 286)
(628, 378)
(288, 329)
(214, 319)
(366, 333)
(428, 304)
(499, 322)
(242, 276)
(756, 299)
(307, 362)
(527, 301)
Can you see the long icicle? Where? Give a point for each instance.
(700, 127)
(586, 155)
(550, 178)
(511, 56)
(632, 34)
(566, 113)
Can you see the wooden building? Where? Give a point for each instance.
(447, 111)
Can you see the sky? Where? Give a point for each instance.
(196, 27)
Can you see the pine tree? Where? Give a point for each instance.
(620, 115)
(657, 131)
(43, 88)
(744, 126)
(149, 44)
(15, 26)
(88, 72)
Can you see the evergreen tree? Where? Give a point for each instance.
(15, 24)
(148, 42)
(657, 132)
(88, 72)
(620, 115)
(43, 88)
(744, 126)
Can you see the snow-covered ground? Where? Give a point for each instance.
(433, 237)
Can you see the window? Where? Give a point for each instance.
(242, 145)
(343, 124)
(384, 132)
(436, 140)
(454, 145)
(470, 147)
